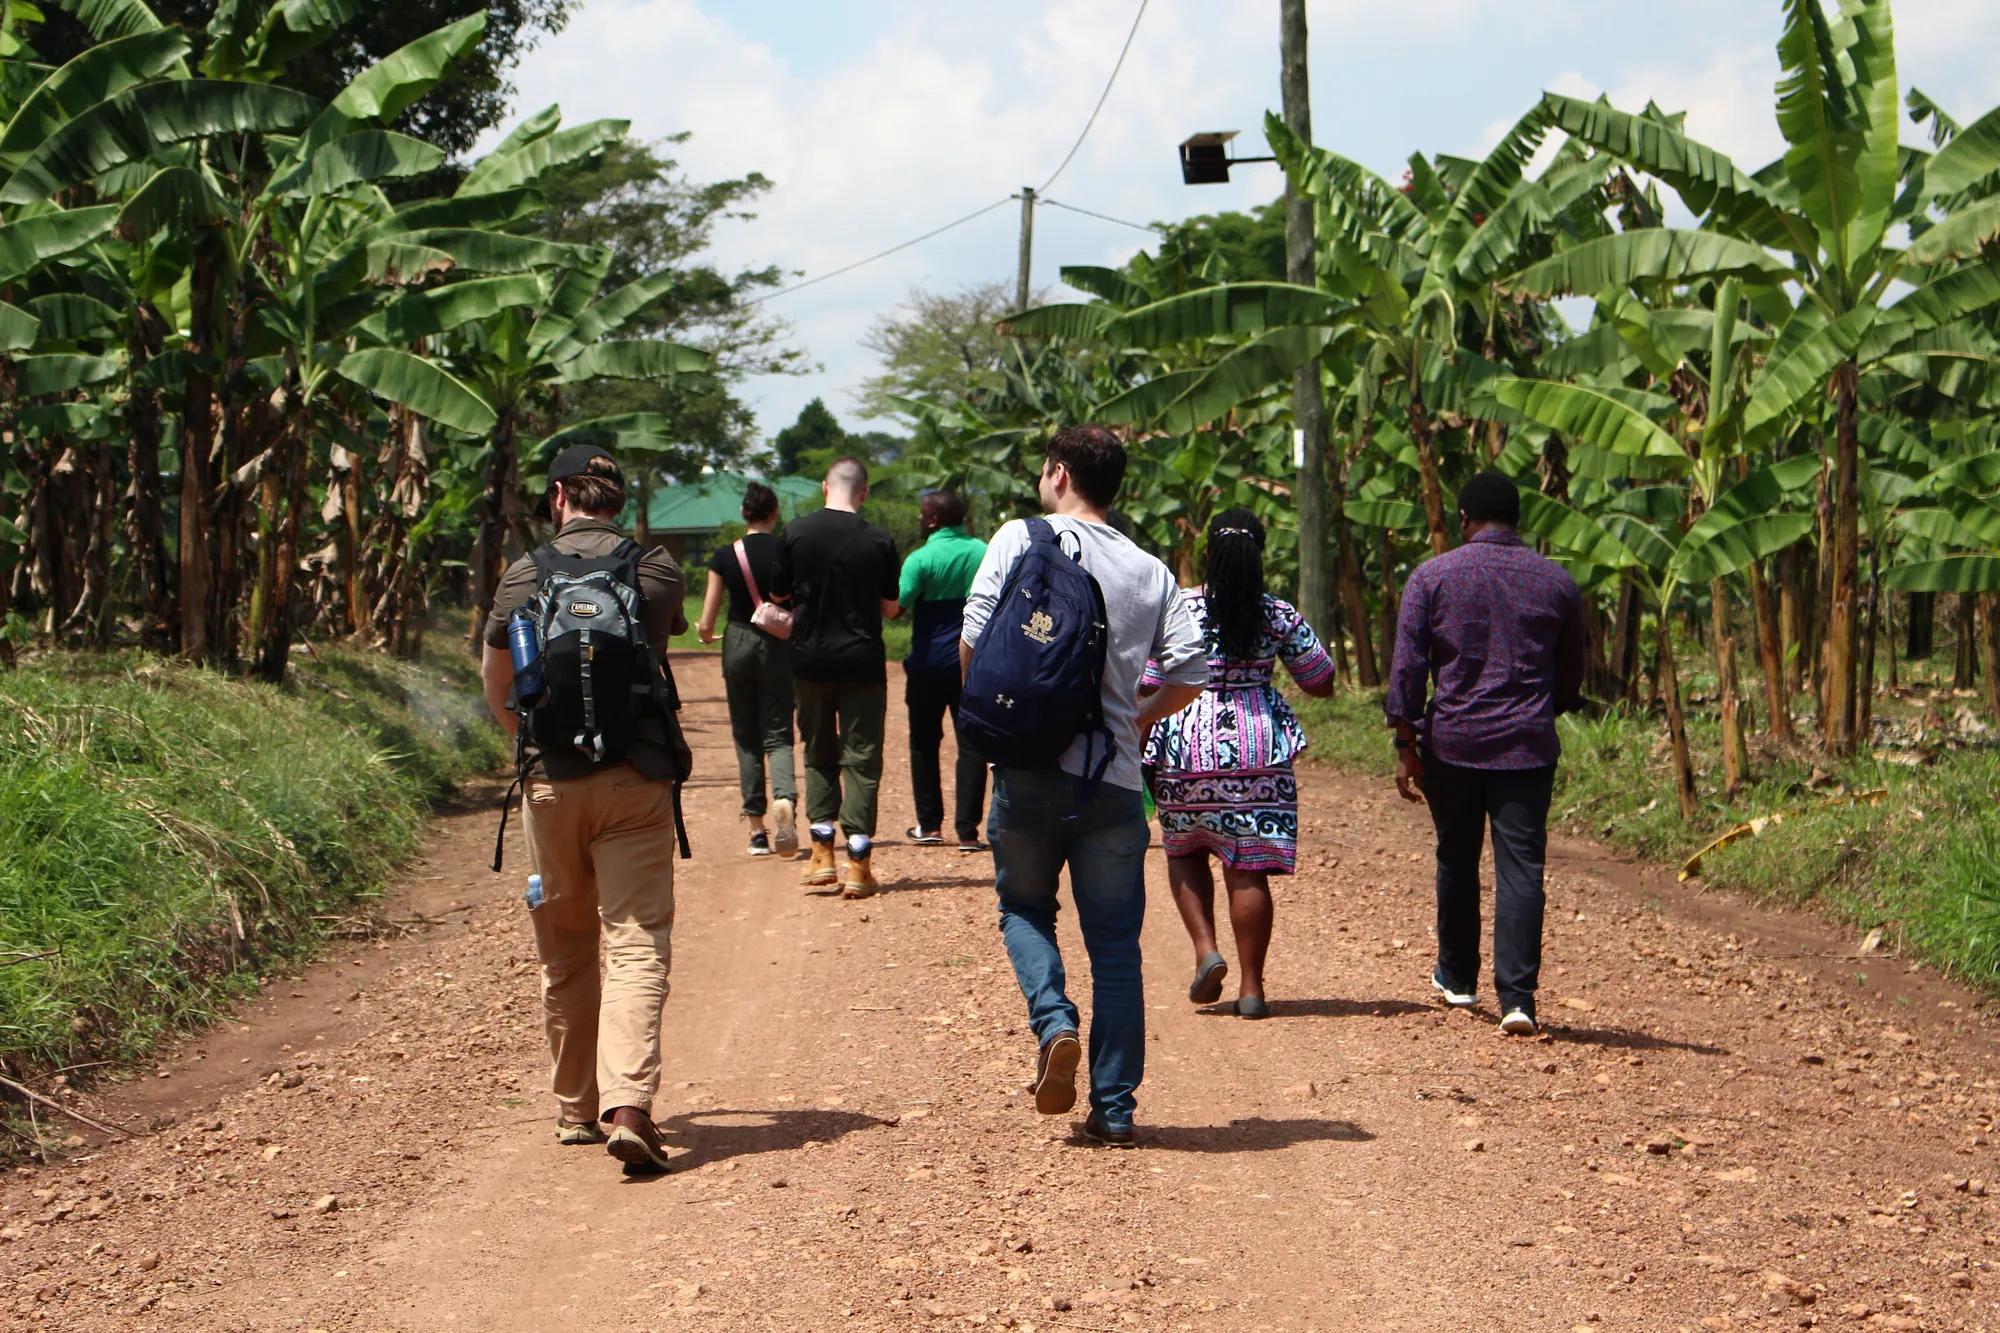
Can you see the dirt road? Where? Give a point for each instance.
(1731, 1124)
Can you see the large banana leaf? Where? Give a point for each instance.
(1823, 144)
(1979, 474)
(1972, 155)
(1107, 284)
(1146, 402)
(611, 314)
(108, 19)
(527, 165)
(538, 126)
(630, 432)
(1959, 573)
(69, 317)
(553, 334)
(1960, 291)
(100, 72)
(1708, 181)
(63, 373)
(1651, 255)
(294, 28)
(18, 329)
(31, 242)
(1067, 320)
(1734, 521)
(1238, 309)
(1872, 104)
(1589, 416)
(364, 155)
(384, 90)
(427, 314)
(1246, 373)
(138, 122)
(412, 382)
(178, 198)
(1481, 198)
(644, 359)
(1976, 515)
(1734, 546)
(1570, 532)
(1322, 173)
(1963, 235)
(476, 251)
(400, 263)
(1796, 372)
(1396, 515)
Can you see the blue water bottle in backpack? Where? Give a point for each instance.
(524, 645)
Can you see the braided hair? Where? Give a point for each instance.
(1235, 580)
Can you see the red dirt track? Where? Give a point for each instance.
(1731, 1123)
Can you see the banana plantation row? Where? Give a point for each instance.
(241, 346)
(1779, 404)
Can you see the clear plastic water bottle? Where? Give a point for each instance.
(533, 897)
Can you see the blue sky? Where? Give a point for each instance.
(880, 119)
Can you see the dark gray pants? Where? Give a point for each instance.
(931, 699)
(1463, 801)
(757, 679)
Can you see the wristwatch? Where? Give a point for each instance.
(1402, 744)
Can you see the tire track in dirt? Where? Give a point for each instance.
(1727, 1127)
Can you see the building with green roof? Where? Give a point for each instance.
(689, 519)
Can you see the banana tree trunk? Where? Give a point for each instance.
(289, 468)
(1353, 602)
(198, 435)
(1735, 753)
(1837, 687)
(1865, 694)
(88, 620)
(1770, 657)
(1791, 619)
(1921, 641)
(1989, 651)
(1385, 553)
(1424, 431)
(1625, 635)
(145, 513)
(489, 542)
(1965, 651)
(1670, 696)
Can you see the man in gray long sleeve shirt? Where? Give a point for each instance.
(1036, 826)
(1501, 629)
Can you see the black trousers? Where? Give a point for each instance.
(1463, 801)
(930, 699)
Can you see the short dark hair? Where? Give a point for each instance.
(599, 491)
(1095, 459)
(759, 502)
(1491, 497)
(942, 509)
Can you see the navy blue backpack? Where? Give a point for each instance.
(1037, 676)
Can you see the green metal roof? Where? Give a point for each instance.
(716, 502)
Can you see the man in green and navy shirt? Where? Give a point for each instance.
(936, 578)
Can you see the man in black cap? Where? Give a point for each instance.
(1501, 631)
(602, 838)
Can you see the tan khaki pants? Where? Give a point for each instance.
(604, 846)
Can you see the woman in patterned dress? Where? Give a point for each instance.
(1221, 769)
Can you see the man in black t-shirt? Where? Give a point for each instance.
(838, 572)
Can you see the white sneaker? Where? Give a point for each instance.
(784, 828)
(1518, 1023)
(1457, 999)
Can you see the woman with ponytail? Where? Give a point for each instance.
(1222, 768)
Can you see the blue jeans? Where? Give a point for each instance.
(1036, 829)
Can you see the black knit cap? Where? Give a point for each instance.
(576, 460)
(1491, 497)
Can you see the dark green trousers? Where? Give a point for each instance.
(757, 679)
(841, 724)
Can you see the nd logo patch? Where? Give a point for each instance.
(1041, 628)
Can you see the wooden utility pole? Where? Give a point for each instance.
(1308, 406)
(1025, 277)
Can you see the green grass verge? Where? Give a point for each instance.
(1924, 862)
(895, 634)
(165, 831)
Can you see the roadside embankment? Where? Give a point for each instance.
(1905, 837)
(168, 832)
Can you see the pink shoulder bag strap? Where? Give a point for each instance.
(773, 619)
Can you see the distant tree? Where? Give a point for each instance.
(635, 200)
(815, 438)
(940, 345)
(1240, 247)
(473, 98)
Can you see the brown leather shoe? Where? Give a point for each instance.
(635, 1140)
(823, 871)
(1055, 1073)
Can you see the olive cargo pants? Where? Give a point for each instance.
(757, 677)
(841, 727)
(604, 846)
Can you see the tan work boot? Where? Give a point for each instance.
(859, 881)
(822, 871)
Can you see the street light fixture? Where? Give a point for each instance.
(1205, 158)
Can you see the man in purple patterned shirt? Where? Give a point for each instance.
(1501, 631)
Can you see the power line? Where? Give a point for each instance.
(1103, 217)
(884, 254)
(1125, 51)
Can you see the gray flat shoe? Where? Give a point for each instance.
(1208, 974)
(1252, 1006)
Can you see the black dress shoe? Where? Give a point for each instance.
(1097, 1131)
